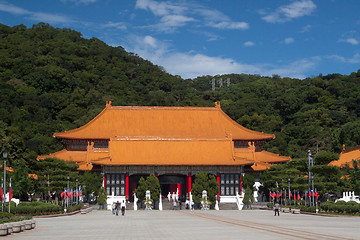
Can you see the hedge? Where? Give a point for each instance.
(36, 208)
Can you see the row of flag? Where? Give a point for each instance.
(69, 193)
(297, 196)
(2, 193)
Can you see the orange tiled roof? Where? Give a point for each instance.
(168, 122)
(261, 166)
(268, 157)
(79, 157)
(168, 151)
(155, 151)
(346, 157)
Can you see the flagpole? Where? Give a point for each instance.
(9, 194)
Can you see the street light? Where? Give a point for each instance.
(67, 198)
(289, 191)
(77, 193)
(5, 155)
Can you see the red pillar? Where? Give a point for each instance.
(179, 188)
(156, 175)
(240, 185)
(127, 186)
(218, 180)
(189, 183)
(104, 181)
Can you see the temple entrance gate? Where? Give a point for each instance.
(172, 183)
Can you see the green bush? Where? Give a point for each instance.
(36, 208)
(307, 208)
(74, 208)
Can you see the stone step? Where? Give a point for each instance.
(228, 206)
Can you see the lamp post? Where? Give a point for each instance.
(289, 191)
(309, 176)
(77, 193)
(5, 155)
(67, 199)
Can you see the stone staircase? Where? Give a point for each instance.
(228, 206)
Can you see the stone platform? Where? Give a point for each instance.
(208, 225)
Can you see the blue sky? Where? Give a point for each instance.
(295, 38)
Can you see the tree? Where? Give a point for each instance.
(205, 181)
(248, 197)
(151, 183)
(91, 184)
(141, 189)
(52, 177)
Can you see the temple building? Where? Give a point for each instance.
(346, 157)
(174, 143)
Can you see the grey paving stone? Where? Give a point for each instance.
(169, 225)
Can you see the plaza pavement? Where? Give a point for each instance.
(207, 225)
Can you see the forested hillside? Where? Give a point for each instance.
(54, 80)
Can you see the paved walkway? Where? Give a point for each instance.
(208, 225)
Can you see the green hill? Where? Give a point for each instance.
(53, 79)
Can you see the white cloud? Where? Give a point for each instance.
(288, 12)
(249, 44)
(230, 25)
(49, 18)
(160, 8)
(295, 69)
(118, 25)
(173, 15)
(354, 59)
(5, 7)
(289, 40)
(192, 64)
(352, 41)
(38, 16)
(305, 28)
(149, 40)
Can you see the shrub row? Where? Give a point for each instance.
(341, 207)
(6, 217)
(36, 208)
(74, 208)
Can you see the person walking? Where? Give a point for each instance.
(117, 207)
(113, 208)
(276, 208)
(123, 207)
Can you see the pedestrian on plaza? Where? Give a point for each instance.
(117, 207)
(123, 207)
(276, 208)
(174, 202)
(113, 208)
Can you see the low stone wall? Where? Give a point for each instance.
(16, 227)
(86, 210)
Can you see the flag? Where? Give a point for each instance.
(294, 196)
(291, 194)
(316, 194)
(311, 193)
(278, 195)
(298, 196)
(1, 190)
(306, 194)
(10, 191)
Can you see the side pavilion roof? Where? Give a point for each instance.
(164, 122)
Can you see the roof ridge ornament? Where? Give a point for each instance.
(108, 103)
(217, 104)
